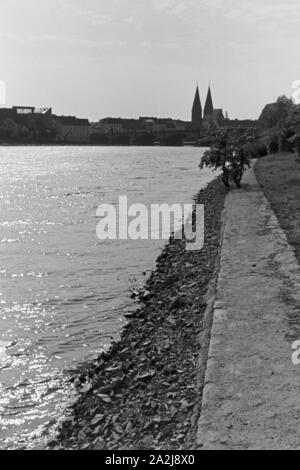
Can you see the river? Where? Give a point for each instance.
(63, 292)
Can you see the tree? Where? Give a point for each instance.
(231, 152)
(293, 126)
(285, 108)
(274, 119)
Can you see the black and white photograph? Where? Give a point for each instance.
(149, 228)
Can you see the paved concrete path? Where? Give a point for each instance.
(252, 389)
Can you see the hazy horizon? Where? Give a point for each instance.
(130, 58)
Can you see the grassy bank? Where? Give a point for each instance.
(145, 393)
(279, 177)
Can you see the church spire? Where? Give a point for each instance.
(209, 107)
(197, 109)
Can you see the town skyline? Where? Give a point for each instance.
(9, 103)
(28, 124)
(124, 58)
(197, 94)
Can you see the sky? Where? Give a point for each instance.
(130, 58)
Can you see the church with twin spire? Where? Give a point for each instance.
(202, 118)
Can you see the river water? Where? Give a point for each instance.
(63, 292)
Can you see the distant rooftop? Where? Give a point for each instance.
(72, 121)
(31, 110)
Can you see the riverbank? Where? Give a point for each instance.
(145, 393)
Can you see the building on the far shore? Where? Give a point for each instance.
(197, 111)
(145, 127)
(27, 123)
(209, 107)
(30, 124)
(203, 119)
(72, 130)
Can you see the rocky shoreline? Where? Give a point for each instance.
(145, 392)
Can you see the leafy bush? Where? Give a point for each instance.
(295, 142)
(286, 144)
(258, 150)
(230, 152)
(262, 150)
(274, 146)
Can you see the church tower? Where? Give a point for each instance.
(197, 110)
(209, 107)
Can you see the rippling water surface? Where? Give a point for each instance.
(63, 293)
